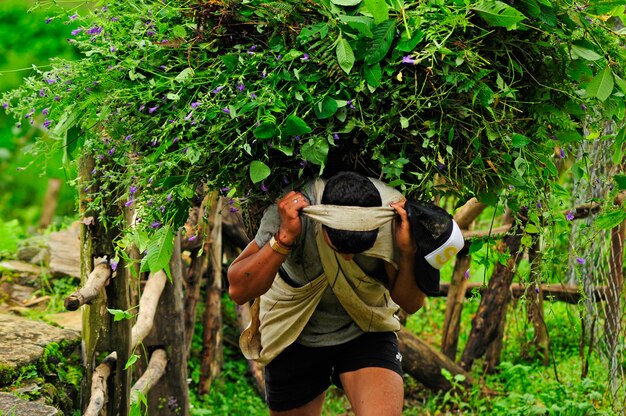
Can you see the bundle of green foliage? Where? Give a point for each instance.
(437, 97)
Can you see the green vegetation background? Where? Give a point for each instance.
(524, 387)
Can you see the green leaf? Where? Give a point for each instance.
(373, 75)
(326, 108)
(610, 219)
(315, 151)
(265, 130)
(381, 43)
(409, 45)
(476, 245)
(621, 84)
(179, 31)
(345, 56)
(601, 86)
(378, 9)
(361, 24)
(346, 2)
(499, 14)
(119, 315)
(160, 249)
(184, 75)
(74, 141)
(569, 136)
(584, 53)
(531, 228)
(259, 171)
(131, 360)
(620, 180)
(519, 140)
(295, 126)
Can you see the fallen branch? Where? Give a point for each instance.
(155, 370)
(99, 385)
(556, 292)
(95, 282)
(147, 306)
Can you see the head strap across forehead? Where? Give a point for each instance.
(350, 218)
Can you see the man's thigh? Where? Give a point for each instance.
(374, 391)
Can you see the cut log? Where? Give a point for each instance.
(424, 363)
(155, 370)
(99, 386)
(147, 306)
(92, 288)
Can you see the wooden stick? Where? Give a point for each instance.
(95, 282)
(99, 380)
(557, 292)
(147, 306)
(155, 370)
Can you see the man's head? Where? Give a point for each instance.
(351, 189)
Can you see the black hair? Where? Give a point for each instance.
(351, 189)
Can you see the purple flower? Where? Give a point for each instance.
(169, 197)
(536, 289)
(96, 30)
(539, 206)
(129, 202)
(305, 57)
(112, 49)
(252, 95)
(335, 137)
(5, 105)
(50, 80)
(149, 202)
(152, 109)
(279, 57)
(580, 260)
(175, 140)
(218, 89)
(440, 165)
(111, 151)
(188, 116)
(233, 209)
(185, 150)
(127, 138)
(46, 123)
(115, 19)
(57, 98)
(155, 224)
(192, 238)
(263, 73)
(562, 154)
(150, 32)
(226, 110)
(113, 265)
(48, 20)
(408, 60)
(132, 189)
(74, 16)
(28, 115)
(569, 216)
(350, 105)
(252, 49)
(583, 107)
(195, 104)
(141, 107)
(42, 92)
(263, 187)
(76, 31)
(467, 274)
(241, 87)
(225, 189)
(45, 111)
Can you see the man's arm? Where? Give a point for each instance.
(402, 287)
(252, 273)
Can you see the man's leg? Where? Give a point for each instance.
(312, 408)
(374, 391)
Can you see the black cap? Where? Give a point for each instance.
(431, 227)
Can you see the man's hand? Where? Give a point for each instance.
(289, 207)
(404, 237)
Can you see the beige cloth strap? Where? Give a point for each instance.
(349, 217)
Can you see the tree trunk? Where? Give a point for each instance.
(494, 301)
(50, 202)
(494, 350)
(211, 360)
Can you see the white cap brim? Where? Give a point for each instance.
(447, 250)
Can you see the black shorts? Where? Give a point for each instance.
(299, 374)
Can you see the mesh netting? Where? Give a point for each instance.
(590, 267)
